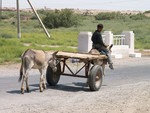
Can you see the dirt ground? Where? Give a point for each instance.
(125, 98)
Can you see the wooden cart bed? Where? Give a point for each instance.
(82, 56)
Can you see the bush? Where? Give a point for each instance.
(42, 12)
(4, 16)
(52, 20)
(147, 11)
(63, 18)
(33, 17)
(5, 35)
(8, 14)
(139, 16)
(109, 16)
(68, 18)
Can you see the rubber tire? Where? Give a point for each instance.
(92, 74)
(50, 75)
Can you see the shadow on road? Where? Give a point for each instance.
(74, 87)
(14, 92)
(19, 91)
(71, 87)
(79, 84)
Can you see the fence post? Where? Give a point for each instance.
(84, 42)
(129, 40)
(18, 20)
(108, 37)
(0, 10)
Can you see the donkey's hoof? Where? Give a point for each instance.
(45, 87)
(87, 85)
(41, 89)
(22, 91)
(28, 89)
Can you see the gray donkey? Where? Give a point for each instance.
(36, 59)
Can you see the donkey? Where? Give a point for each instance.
(99, 62)
(36, 59)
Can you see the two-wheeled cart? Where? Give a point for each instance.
(94, 73)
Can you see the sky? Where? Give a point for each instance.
(138, 5)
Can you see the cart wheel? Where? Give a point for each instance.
(95, 78)
(53, 77)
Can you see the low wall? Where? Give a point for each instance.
(121, 50)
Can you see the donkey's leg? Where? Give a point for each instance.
(22, 85)
(41, 80)
(27, 87)
(103, 67)
(23, 81)
(28, 68)
(44, 83)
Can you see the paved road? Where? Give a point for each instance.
(117, 77)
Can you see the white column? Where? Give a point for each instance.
(84, 42)
(108, 37)
(129, 40)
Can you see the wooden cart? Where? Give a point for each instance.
(93, 74)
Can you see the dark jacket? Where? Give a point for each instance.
(97, 38)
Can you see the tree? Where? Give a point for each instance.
(63, 18)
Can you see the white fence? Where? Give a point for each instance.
(119, 39)
(103, 36)
(123, 44)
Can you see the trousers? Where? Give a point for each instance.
(101, 48)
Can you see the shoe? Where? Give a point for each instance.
(111, 66)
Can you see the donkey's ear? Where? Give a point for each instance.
(54, 54)
(111, 46)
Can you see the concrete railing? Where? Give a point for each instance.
(103, 36)
(119, 39)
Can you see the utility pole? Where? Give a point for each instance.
(18, 20)
(35, 12)
(0, 10)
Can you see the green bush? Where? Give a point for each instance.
(33, 17)
(109, 16)
(42, 12)
(5, 35)
(147, 11)
(68, 18)
(52, 20)
(63, 18)
(8, 14)
(139, 16)
(5, 16)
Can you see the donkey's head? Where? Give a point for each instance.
(53, 62)
(109, 47)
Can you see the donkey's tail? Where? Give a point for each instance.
(21, 71)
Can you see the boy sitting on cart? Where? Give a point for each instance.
(100, 46)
